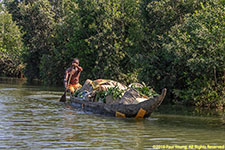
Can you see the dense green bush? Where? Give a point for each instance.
(69, 42)
(159, 17)
(198, 51)
(96, 39)
(114, 26)
(37, 21)
(161, 65)
(11, 45)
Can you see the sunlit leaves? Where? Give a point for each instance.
(198, 44)
(11, 45)
(37, 20)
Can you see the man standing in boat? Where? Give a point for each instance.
(72, 74)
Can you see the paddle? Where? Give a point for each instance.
(63, 98)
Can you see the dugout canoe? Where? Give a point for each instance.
(140, 110)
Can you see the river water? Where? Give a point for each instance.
(31, 117)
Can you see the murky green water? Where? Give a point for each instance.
(32, 118)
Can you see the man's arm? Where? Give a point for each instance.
(77, 66)
(79, 69)
(65, 79)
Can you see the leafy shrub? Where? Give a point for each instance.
(145, 90)
(197, 47)
(11, 45)
(115, 92)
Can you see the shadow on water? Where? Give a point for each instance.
(33, 118)
(191, 117)
(20, 83)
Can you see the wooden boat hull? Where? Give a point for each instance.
(140, 110)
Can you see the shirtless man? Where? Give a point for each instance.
(75, 69)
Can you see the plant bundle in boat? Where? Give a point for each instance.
(111, 98)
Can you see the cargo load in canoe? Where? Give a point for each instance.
(112, 98)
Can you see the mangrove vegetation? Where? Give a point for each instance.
(176, 44)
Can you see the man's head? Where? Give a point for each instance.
(76, 61)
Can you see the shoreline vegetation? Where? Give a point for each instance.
(178, 45)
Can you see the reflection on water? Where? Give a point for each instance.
(32, 118)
